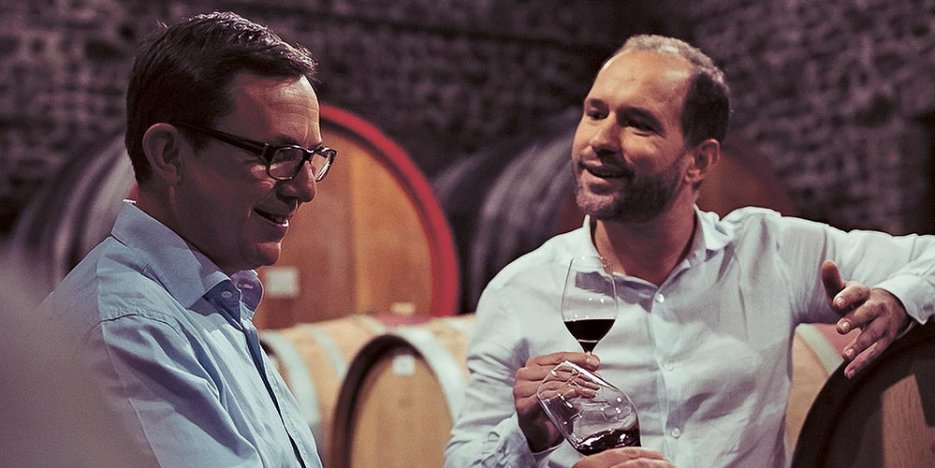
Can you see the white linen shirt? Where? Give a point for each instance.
(705, 356)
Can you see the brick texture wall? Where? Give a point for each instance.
(840, 95)
(441, 77)
(837, 94)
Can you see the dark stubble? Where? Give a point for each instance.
(643, 198)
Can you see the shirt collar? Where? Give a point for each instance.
(186, 273)
(251, 289)
(715, 235)
(711, 236)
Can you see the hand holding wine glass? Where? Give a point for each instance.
(588, 411)
(535, 424)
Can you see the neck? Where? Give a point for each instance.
(152, 205)
(649, 250)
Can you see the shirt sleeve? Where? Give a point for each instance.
(902, 265)
(167, 400)
(487, 433)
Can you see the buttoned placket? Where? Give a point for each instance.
(666, 364)
(231, 303)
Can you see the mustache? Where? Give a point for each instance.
(605, 170)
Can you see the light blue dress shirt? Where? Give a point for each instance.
(172, 340)
(705, 356)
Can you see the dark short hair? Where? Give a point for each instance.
(183, 74)
(706, 112)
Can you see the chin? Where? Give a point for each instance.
(265, 255)
(596, 206)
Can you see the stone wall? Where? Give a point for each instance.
(837, 94)
(441, 77)
(840, 95)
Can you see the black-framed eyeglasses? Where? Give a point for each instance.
(283, 162)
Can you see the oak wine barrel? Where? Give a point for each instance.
(375, 239)
(507, 200)
(883, 417)
(70, 215)
(815, 356)
(400, 396)
(313, 358)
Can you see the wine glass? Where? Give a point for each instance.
(588, 411)
(589, 300)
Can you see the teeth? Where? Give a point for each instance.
(281, 220)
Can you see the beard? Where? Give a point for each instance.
(642, 199)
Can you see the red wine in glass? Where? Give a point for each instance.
(609, 439)
(589, 331)
(589, 300)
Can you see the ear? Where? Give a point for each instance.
(705, 156)
(162, 145)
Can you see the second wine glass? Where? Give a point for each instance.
(589, 300)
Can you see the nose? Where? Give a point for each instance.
(606, 138)
(302, 187)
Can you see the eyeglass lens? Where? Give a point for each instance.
(285, 163)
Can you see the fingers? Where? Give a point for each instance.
(831, 278)
(539, 431)
(589, 361)
(850, 303)
(878, 314)
(864, 359)
(880, 318)
(537, 368)
(625, 457)
(845, 296)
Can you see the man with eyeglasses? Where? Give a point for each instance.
(223, 132)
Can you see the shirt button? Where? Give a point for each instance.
(660, 298)
(227, 294)
(667, 365)
(676, 432)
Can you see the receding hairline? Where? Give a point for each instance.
(689, 67)
(680, 70)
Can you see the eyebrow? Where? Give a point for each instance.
(629, 112)
(281, 140)
(641, 114)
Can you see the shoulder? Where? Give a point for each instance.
(107, 285)
(764, 218)
(744, 223)
(749, 216)
(753, 230)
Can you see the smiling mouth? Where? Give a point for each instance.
(607, 172)
(278, 220)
